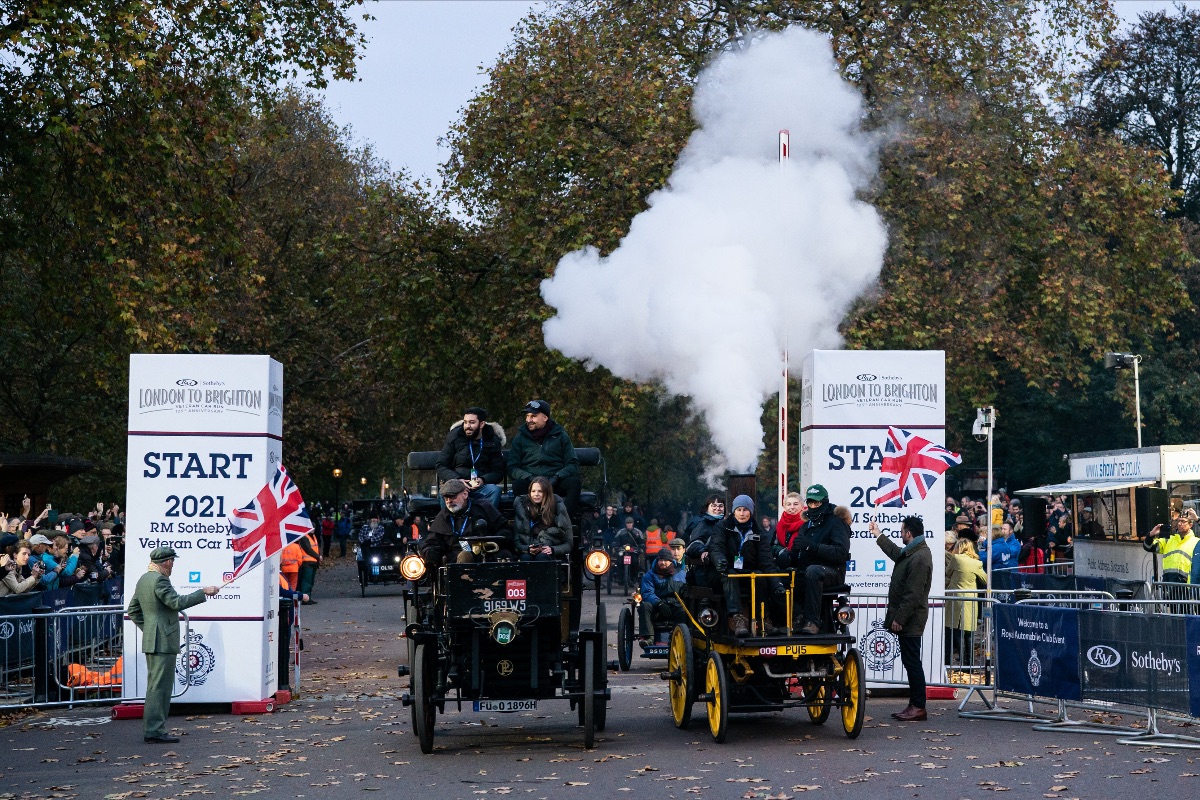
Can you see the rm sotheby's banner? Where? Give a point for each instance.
(1037, 651)
(853, 403)
(1134, 658)
(205, 433)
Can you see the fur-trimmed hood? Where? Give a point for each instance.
(497, 431)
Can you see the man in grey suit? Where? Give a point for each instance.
(155, 608)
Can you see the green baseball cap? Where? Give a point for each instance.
(816, 492)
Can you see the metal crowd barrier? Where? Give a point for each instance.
(70, 657)
(1048, 568)
(960, 654)
(1167, 600)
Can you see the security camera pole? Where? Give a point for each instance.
(985, 423)
(1125, 361)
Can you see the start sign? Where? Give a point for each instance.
(514, 590)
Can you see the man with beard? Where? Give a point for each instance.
(461, 518)
(542, 447)
(472, 454)
(908, 606)
(659, 584)
(819, 552)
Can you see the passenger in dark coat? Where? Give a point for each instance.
(543, 527)
(542, 447)
(472, 453)
(738, 545)
(819, 553)
(461, 518)
(908, 606)
(700, 570)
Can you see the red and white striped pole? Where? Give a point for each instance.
(785, 146)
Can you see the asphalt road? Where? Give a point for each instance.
(348, 734)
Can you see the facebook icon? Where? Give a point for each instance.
(851, 566)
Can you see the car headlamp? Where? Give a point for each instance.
(845, 615)
(708, 617)
(504, 632)
(597, 562)
(412, 567)
(374, 559)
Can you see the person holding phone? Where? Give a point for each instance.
(23, 576)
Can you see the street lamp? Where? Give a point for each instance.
(337, 487)
(363, 491)
(1125, 361)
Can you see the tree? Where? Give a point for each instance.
(1010, 247)
(118, 122)
(1145, 86)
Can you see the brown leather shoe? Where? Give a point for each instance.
(810, 629)
(739, 625)
(907, 709)
(912, 714)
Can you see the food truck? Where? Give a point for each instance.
(1117, 496)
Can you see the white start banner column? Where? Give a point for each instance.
(858, 408)
(205, 435)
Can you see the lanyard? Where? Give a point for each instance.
(466, 519)
(471, 450)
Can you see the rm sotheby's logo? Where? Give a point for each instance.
(866, 377)
(186, 382)
(1103, 656)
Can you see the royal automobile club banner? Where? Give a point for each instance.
(1135, 659)
(858, 408)
(1037, 651)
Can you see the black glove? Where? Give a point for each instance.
(806, 545)
(751, 537)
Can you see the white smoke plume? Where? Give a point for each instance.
(738, 251)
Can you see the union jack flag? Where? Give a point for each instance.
(275, 518)
(911, 466)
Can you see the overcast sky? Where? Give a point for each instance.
(424, 61)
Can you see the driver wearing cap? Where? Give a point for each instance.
(461, 519)
(542, 447)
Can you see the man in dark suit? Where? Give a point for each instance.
(155, 608)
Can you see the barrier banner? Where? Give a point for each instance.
(1193, 664)
(1037, 651)
(16, 629)
(1135, 659)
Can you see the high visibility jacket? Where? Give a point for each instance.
(79, 676)
(1177, 555)
(654, 541)
(304, 556)
(290, 558)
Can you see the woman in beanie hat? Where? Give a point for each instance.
(738, 545)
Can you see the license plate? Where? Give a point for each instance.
(785, 650)
(505, 706)
(628, 559)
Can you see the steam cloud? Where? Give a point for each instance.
(737, 251)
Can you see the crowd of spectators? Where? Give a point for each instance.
(59, 550)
